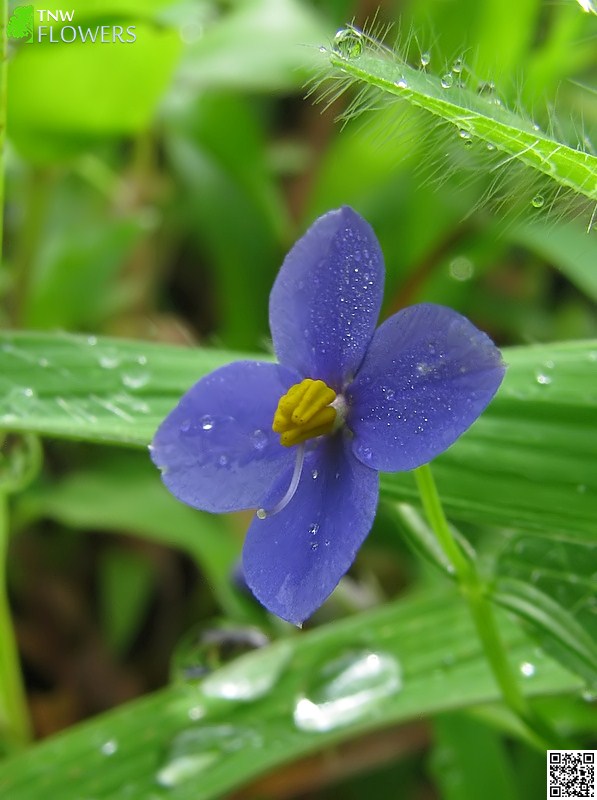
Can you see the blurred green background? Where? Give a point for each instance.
(152, 190)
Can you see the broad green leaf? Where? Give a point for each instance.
(86, 90)
(400, 662)
(358, 58)
(553, 589)
(527, 463)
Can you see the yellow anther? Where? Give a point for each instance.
(304, 412)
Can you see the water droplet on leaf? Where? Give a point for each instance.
(447, 80)
(425, 59)
(527, 669)
(193, 750)
(205, 649)
(347, 688)
(249, 677)
(538, 201)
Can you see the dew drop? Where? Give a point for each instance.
(315, 474)
(348, 43)
(135, 379)
(542, 379)
(401, 84)
(538, 201)
(223, 461)
(249, 677)
(313, 528)
(461, 268)
(366, 453)
(347, 688)
(204, 649)
(425, 59)
(206, 422)
(109, 748)
(457, 66)
(464, 134)
(92, 341)
(447, 81)
(107, 361)
(527, 669)
(185, 426)
(194, 750)
(258, 439)
(261, 513)
(314, 545)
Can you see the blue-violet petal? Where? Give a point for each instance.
(325, 301)
(216, 449)
(427, 376)
(293, 560)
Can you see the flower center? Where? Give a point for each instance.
(304, 412)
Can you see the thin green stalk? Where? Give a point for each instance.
(14, 716)
(3, 90)
(482, 612)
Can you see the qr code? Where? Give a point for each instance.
(570, 774)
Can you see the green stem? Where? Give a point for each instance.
(3, 90)
(14, 716)
(482, 612)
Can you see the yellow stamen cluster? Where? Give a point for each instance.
(304, 412)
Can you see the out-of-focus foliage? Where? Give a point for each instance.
(153, 188)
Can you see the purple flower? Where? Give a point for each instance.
(345, 401)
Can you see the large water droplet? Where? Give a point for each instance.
(346, 689)
(538, 201)
(348, 43)
(195, 749)
(249, 677)
(447, 80)
(205, 649)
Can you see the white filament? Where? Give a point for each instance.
(291, 491)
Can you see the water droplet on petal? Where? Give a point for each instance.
(258, 439)
(313, 528)
(185, 426)
(447, 80)
(207, 422)
(315, 474)
(223, 461)
(347, 688)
